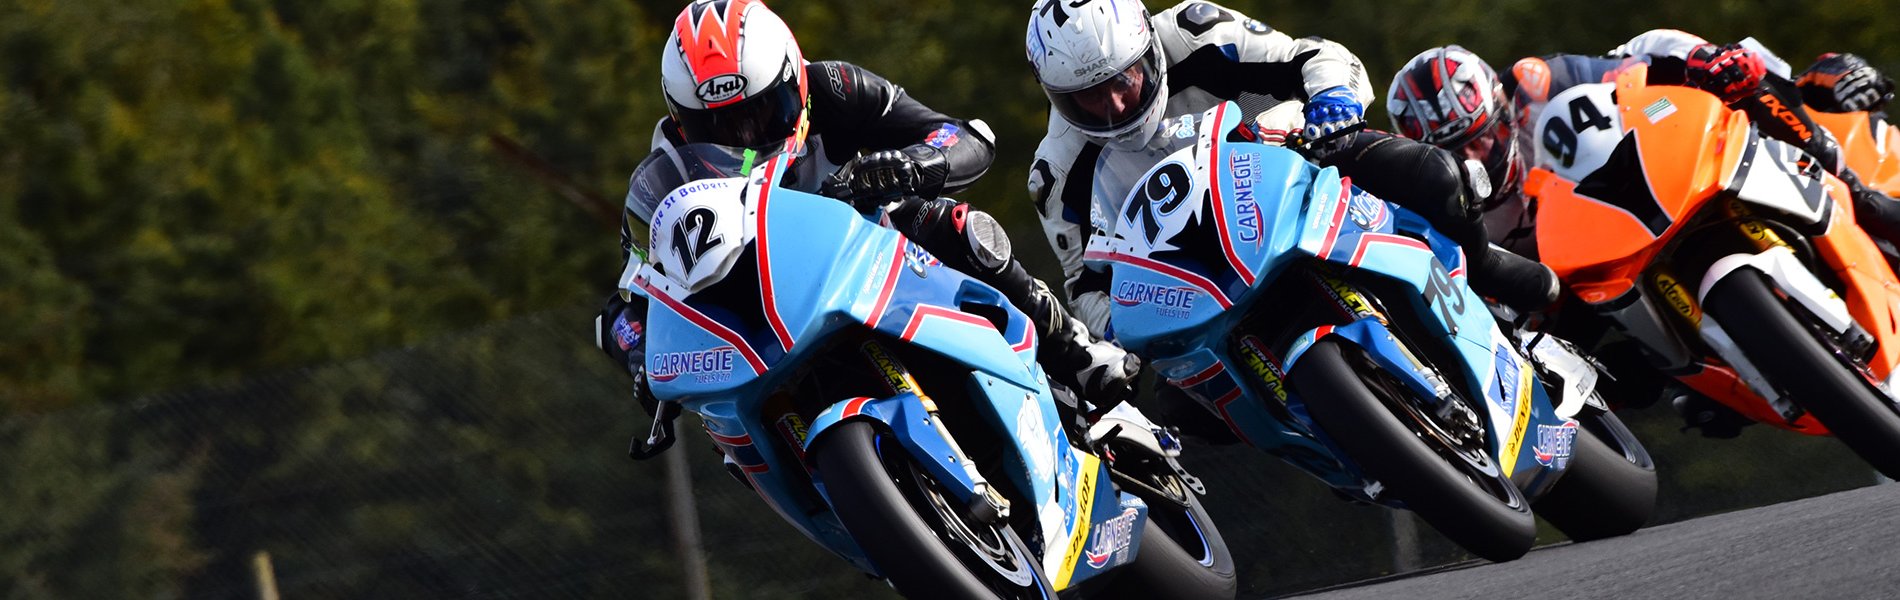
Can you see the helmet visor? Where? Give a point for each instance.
(768, 117)
(1497, 147)
(1115, 102)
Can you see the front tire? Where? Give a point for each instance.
(1182, 554)
(1606, 491)
(909, 526)
(1814, 376)
(1486, 514)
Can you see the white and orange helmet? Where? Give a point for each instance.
(734, 76)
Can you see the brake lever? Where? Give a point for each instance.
(660, 436)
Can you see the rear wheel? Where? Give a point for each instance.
(912, 528)
(1182, 555)
(1451, 483)
(1815, 374)
(1609, 488)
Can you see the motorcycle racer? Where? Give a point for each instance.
(733, 75)
(1113, 73)
(1451, 98)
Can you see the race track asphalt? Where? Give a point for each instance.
(1844, 545)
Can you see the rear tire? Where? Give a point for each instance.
(1817, 378)
(1606, 491)
(906, 525)
(1494, 523)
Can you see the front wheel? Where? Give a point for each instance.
(1609, 488)
(1182, 554)
(1839, 393)
(1458, 489)
(911, 528)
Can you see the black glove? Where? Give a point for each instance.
(1840, 83)
(879, 177)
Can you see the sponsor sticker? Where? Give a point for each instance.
(705, 366)
(917, 259)
(1368, 212)
(627, 333)
(1041, 453)
(1168, 301)
(1659, 110)
(894, 375)
(1254, 354)
(943, 137)
(1243, 167)
(1111, 538)
(721, 87)
(1678, 297)
(1554, 443)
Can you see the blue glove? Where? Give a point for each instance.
(1332, 110)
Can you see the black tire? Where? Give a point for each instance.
(1609, 488)
(1182, 554)
(1811, 372)
(1487, 515)
(893, 511)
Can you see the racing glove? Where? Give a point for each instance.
(1332, 110)
(1840, 83)
(879, 177)
(1731, 72)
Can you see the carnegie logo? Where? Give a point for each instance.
(1169, 301)
(722, 88)
(1112, 537)
(1246, 208)
(1554, 444)
(703, 365)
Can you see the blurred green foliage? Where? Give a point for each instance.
(193, 192)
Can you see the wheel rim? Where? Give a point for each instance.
(1182, 526)
(1462, 445)
(974, 543)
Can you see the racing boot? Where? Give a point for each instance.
(1713, 419)
(972, 242)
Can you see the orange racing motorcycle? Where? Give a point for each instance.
(1732, 258)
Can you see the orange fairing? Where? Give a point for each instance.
(1872, 147)
(1688, 144)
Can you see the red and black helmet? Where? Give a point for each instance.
(734, 76)
(1448, 97)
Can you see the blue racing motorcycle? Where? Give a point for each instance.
(891, 408)
(1336, 331)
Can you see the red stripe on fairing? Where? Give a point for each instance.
(1029, 338)
(890, 285)
(1221, 405)
(767, 298)
(1366, 240)
(751, 357)
(925, 310)
(1201, 377)
(1460, 271)
(853, 407)
(1322, 331)
(744, 439)
(1220, 216)
(1339, 217)
(755, 468)
(1166, 269)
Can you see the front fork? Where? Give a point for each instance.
(985, 503)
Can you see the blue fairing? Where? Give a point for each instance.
(813, 268)
(1271, 210)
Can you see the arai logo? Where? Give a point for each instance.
(722, 88)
